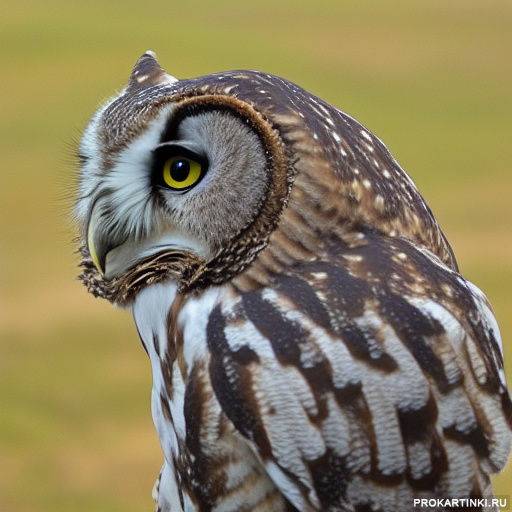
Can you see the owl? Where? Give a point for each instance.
(312, 343)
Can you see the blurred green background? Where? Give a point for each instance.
(432, 79)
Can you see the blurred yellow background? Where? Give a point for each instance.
(432, 79)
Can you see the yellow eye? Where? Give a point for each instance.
(180, 172)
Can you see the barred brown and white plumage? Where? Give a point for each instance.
(312, 343)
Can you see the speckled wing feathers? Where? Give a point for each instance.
(337, 380)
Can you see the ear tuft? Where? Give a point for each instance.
(147, 72)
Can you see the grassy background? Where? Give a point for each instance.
(432, 79)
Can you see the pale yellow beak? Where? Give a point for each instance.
(99, 261)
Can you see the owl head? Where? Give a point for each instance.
(198, 180)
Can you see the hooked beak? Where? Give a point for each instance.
(114, 252)
(100, 241)
(96, 250)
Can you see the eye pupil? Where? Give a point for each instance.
(180, 170)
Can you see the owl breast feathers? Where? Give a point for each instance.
(313, 345)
